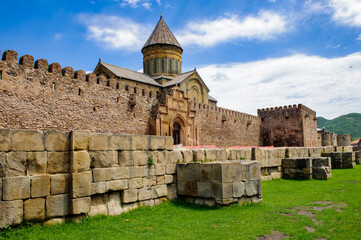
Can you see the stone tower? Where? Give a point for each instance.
(162, 54)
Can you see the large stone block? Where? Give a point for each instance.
(81, 184)
(58, 162)
(40, 186)
(99, 142)
(172, 191)
(170, 169)
(138, 172)
(160, 191)
(145, 194)
(206, 172)
(5, 140)
(169, 143)
(251, 188)
(15, 188)
(100, 187)
(160, 180)
(198, 155)
(27, 140)
(117, 185)
(104, 159)
(159, 169)
(79, 140)
(57, 206)
(125, 159)
(98, 206)
(254, 171)
(113, 204)
(175, 157)
(222, 191)
(140, 142)
(37, 163)
(11, 213)
(212, 154)
(59, 183)
(79, 161)
(193, 172)
(57, 141)
(136, 183)
(2, 165)
(81, 205)
(140, 158)
(120, 173)
(15, 164)
(187, 156)
(34, 209)
(204, 189)
(157, 143)
(130, 195)
(102, 174)
(168, 179)
(120, 142)
(238, 189)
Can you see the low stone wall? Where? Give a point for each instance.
(358, 157)
(220, 183)
(340, 160)
(306, 168)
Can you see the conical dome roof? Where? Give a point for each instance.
(162, 35)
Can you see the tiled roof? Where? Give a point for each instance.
(130, 74)
(178, 79)
(212, 98)
(162, 35)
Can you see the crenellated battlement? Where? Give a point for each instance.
(281, 108)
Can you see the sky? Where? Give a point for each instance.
(251, 54)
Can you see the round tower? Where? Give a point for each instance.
(162, 54)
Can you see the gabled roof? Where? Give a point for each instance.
(129, 74)
(212, 98)
(180, 78)
(162, 35)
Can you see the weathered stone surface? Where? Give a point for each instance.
(238, 189)
(198, 155)
(145, 194)
(222, 191)
(255, 171)
(187, 156)
(137, 172)
(98, 206)
(157, 142)
(170, 168)
(40, 186)
(54, 221)
(160, 180)
(147, 203)
(2, 165)
(120, 173)
(168, 179)
(251, 188)
(172, 191)
(130, 195)
(59, 183)
(100, 187)
(113, 205)
(175, 157)
(79, 140)
(169, 143)
(5, 140)
(120, 142)
(159, 169)
(98, 142)
(135, 183)
(37, 163)
(15, 164)
(103, 159)
(125, 159)
(204, 189)
(58, 162)
(15, 188)
(57, 141)
(102, 174)
(81, 205)
(140, 142)
(140, 158)
(117, 185)
(57, 206)
(81, 184)
(160, 191)
(27, 140)
(11, 213)
(79, 161)
(34, 209)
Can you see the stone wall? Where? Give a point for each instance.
(306, 168)
(341, 160)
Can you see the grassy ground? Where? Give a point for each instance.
(288, 206)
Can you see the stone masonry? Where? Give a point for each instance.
(306, 168)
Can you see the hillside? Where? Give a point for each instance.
(350, 123)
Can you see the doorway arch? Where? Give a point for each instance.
(178, 131)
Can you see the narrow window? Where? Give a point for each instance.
(143, 92)
(194, 99)
(54, 86)
(98, 81)
(135, 89)
(126, 88)
(117, 86)
(150, 93)
(108, 83)
(79, 92)
(1, 74)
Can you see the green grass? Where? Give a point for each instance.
(179, 220)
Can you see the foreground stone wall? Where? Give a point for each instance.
(306, 168)
(341, 160)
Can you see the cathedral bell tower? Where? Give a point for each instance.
(162, 54)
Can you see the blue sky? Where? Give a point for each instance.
(251, 54)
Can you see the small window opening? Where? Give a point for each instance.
(117, 86)
(98, 81)
(1, 74)
(54, 86)
(143, 92)
(150, 93)
(135, 89)
(158, 94)
(79, 92)
(108, 83)
(126, 88)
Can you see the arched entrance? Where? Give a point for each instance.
(176, 133)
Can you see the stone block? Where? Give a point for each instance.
(98, 206)
(125, 159)
(168, 179)
(147, 203)
(57, 206)
(57, 141)
(99, 142)
(160, 180)
(79, 140)
(100, 187)
(15, 164)
(27, 140)
(102, 174)
(193, 172)
(5, 140)
(157, 143)
(79, 161)
(11, 213)
(217, 173)
(160, 191)
(81, 184)
(204, 189)
(59, 183)
(15, 188)
(172, 191)
(135, 183)
(170, 169)
(206, 172)
(54, 221)
(181, 187)
(117, 185)
(159, 169)
(255, 171)
(120, 142)
(140, 158)
(169, 143)
(129, 196)
(58, 162)
(137, 172)
(2, 165)
(120, 173)
(145, 194)
(221, 190)
(140, 142)
(211, 154)
(187, 156)
(81, 205)
(103, 159)
(175, 157)
(198, 155)
(40, 186)
(238, 189)
(37, 163)
(191, 188)
(224, 154)
(34, 209)
(251, 188)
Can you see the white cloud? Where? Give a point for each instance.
(113, 32)
(136, 3)
(330, 86)
(359, 37)
(347, 12)
(265, 25)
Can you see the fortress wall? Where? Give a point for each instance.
(224, 127)
(41, 96)
(310, 137)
